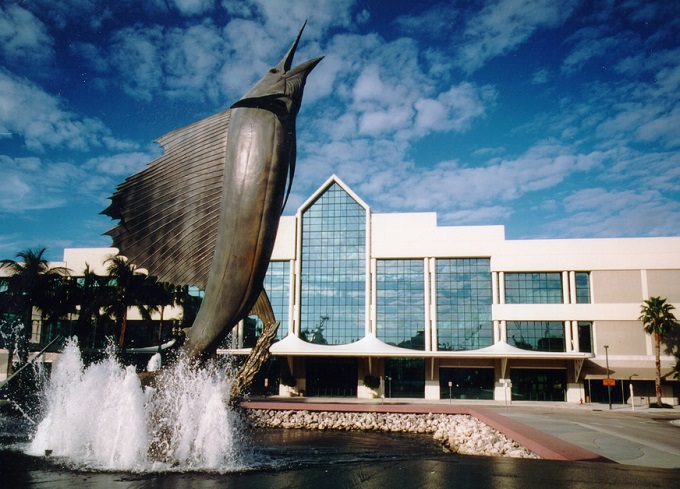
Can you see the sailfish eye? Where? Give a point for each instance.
(273, 71)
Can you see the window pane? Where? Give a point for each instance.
(401, 303)
(463, 304)
(536, 335)
(533, 288)
(582, 288)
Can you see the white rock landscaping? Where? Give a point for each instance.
(458, 433)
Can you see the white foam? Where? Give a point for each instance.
(101, 417)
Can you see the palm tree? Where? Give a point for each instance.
(190, 304)
(92, 293)
(127, 290)
(58, 299)
(158, 295)
(31, 283)
(657, 319)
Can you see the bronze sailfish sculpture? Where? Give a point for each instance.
(206, 213)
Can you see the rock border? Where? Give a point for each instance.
(457, 433)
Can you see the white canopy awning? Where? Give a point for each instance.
(370, 346)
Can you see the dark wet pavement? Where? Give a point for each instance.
(329, 460)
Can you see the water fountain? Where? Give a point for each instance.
(101, 417)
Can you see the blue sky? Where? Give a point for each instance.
(558, 119)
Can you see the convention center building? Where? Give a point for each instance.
(394, 305)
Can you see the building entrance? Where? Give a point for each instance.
(466, 383)
(332, 377)
(405, 377)
(538, 384)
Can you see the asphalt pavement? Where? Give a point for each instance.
(644, 437)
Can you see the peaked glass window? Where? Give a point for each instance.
(333, 274)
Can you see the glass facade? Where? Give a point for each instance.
(582, 288)
(537, 335)
(277, 286)
(533, 288)
(463, 303)
(400, 307)
(333, 269)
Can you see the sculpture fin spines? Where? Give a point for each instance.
(263, 309)
(169, 211)
(173, 160)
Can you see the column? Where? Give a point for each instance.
(575, 337)
(501, 287)
(565, 288)
(494, 288)
(428, 315)
(567, 336)
(373, 318)
(433, 303)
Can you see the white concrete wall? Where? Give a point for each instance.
(284, 246)
(76, 259)
(416, 235)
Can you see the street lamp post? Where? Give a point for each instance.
(609, 387)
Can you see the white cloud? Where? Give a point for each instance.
(664, 128)
(370, 88)
(198, 62)
(23, 37)
(590, 43)
(461, 194)
(29, 184)
(283, 19)
(43, 122)
(391, 96)
(84, 13)
(435, 22)
(194, 56)
(194, 7)
(503, 25)
(540, 77)
(454, 110)
(390, 120)
(599, 212)
(122, 164)
(135, 55)
(40, 183)
(493, 214)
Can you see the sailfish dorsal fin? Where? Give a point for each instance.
(169, 211)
